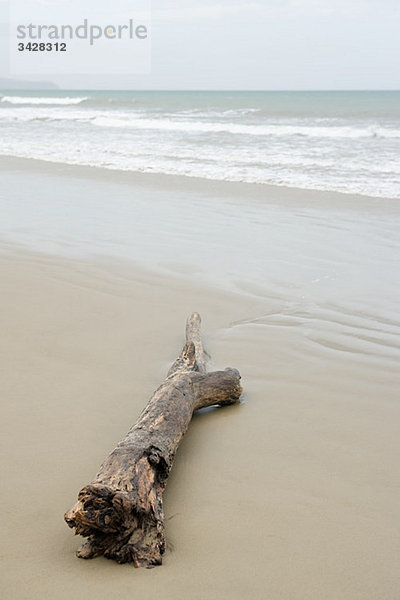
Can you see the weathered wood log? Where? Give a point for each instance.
(121, 510)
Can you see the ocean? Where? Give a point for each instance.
(338, 141)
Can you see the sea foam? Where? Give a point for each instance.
(42, 100)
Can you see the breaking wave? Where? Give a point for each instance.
(42, 100)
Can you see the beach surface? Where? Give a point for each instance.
(291, 495)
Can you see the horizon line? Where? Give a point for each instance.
(60, 89)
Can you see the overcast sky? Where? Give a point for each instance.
(265, 44)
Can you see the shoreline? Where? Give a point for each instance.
(326, 267)
(302, 254)
(291, 196)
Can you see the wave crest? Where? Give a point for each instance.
(42, 100)
(253, 130)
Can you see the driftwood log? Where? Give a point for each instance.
(121, 510)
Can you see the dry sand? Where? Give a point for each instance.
(293, 494)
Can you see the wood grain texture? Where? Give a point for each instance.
(121, 511)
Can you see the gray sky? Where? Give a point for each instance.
(260, 44)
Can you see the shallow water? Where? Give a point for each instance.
(324, 263)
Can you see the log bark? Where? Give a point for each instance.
(121, 511)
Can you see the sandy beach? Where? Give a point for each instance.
(291, 495)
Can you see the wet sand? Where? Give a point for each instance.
(293, 494)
